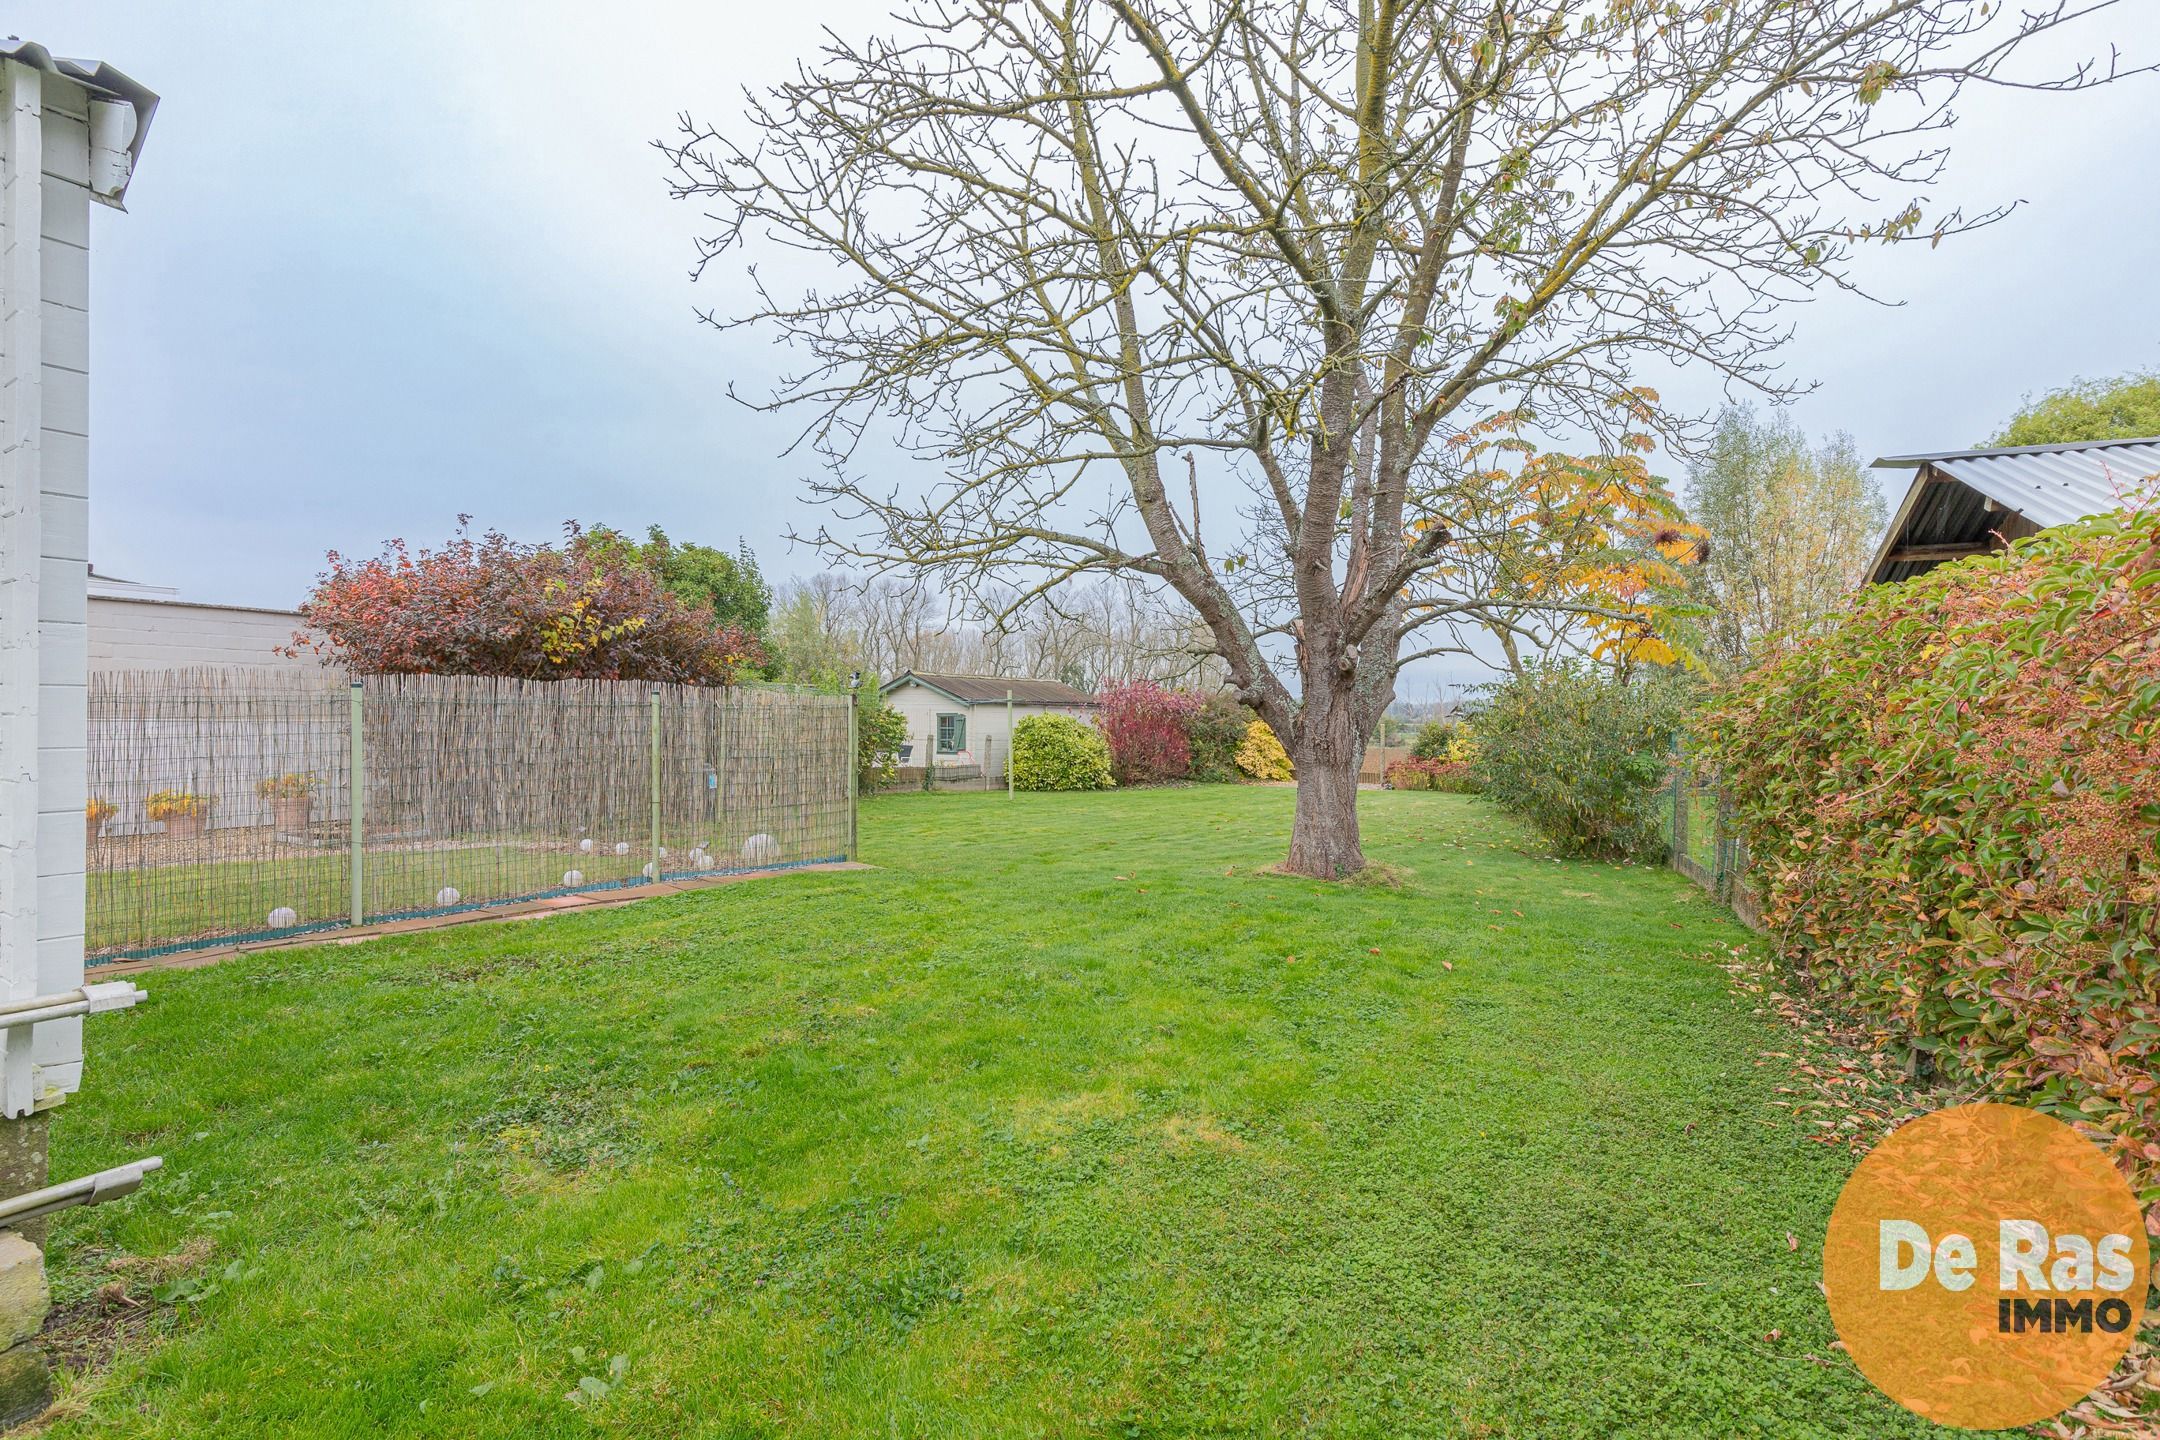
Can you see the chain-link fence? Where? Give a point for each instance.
(223, 803)
(1704, 844)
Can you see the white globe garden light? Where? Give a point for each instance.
(585, 846)
(446, 896)
(573, 877)
(283, 917)
(622, 847)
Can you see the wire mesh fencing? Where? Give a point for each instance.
(224, 804)
(1704, 844)
(982, 763)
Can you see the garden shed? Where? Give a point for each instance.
(1967, 502)
(960, 721)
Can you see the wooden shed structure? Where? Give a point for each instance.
(1967, 502)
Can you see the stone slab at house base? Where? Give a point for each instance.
(25, 1380)
(24, 1164)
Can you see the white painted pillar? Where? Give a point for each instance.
(22, 552)
(44, 565)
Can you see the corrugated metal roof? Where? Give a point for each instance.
(2054, 487)
(987, 689)
(97, 76)
(2046, 485)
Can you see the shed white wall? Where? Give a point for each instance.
(919, 707)
(44, 563)
(169, 635)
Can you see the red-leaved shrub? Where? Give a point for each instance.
(1146, 727)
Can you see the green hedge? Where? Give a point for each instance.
(1950, 801)
(1057, 752)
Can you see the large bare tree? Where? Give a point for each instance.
(1101, 258)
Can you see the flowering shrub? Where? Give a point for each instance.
(1261, 756)
(1057, 752)
(1454, 776)
(1582, 756)
(1949, 801)
(1145, 727)
(97, 811)
(286, 787)
(588, 610)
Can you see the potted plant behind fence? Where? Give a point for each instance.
(292, 801)
(95, 814)
(181, 812)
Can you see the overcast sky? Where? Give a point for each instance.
(388, 262)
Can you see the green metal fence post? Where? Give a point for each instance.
(1679, 805)
(656, 784)
(357, 780)
(854, 767)
(1008, 745)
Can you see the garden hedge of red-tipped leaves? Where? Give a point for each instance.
(1952, 801)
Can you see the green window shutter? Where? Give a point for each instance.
(951, 734)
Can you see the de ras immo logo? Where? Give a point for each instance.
(1986, 1266)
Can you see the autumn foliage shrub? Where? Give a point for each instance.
(1260, 756)
(1443, 740)
(1453, 776)
(1057, 752)
(1949, 799)
(1145, 726)
(490, 606)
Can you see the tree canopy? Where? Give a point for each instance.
(1792, 527)
(2124, 408)
(731, 587)
(1100, 259)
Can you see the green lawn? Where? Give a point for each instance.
(1061, 1122)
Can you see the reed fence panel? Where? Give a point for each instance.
(223, 800)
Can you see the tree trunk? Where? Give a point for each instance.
(1330, 749)
(1324, 837)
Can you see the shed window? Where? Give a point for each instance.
(951, 734)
